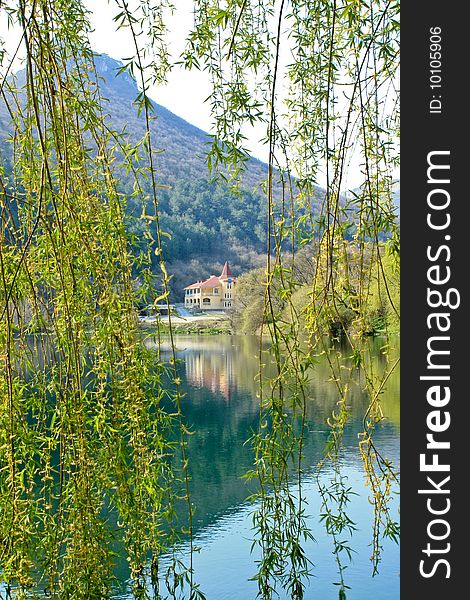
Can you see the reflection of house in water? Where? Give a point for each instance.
(228, 367)
(212, 371)
(225, 365)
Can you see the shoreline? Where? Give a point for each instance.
(191, 325)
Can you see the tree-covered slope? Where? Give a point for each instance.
(207, 223)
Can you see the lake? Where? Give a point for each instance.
(220, 403)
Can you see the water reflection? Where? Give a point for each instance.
(219, 377)
(220, 386)
(227, 365)
(211, 370)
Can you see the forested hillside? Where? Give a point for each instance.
(206, 222)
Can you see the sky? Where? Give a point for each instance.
(186, 91)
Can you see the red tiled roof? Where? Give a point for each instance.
(192, 286)
(213, 281)
(226, 272)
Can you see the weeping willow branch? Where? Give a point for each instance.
(315, 72)
(89, 419)
(86, 427)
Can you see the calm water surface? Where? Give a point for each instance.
(221, 405)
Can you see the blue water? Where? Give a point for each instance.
(221, 404)
(225, 562)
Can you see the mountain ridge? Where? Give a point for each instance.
(207, 223)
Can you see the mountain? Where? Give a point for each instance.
(183, 146)
(207, 223)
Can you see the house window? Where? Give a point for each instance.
(206, 300)
(216, 290)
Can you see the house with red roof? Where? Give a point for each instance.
(214, 293)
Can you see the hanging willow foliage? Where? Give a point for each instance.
(322, 76)
(88, 418)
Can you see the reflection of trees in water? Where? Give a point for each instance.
(221, 405)
(220, 382)
(224, 364)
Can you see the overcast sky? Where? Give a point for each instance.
(186, 90)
